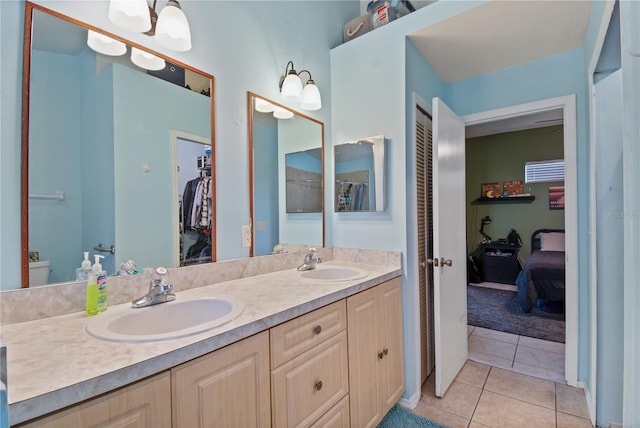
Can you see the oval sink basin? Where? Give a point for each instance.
(333, 273)
(178, 318)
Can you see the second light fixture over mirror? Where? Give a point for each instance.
(291, 89)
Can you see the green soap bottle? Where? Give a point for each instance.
(91, 303)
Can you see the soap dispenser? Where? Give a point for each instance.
(82, 273)
(101, 281)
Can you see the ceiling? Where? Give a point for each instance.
(502, 34)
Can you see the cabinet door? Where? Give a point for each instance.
(364, 383)
(227, 388)
(376, 352)
(146, 403)
(392, 367)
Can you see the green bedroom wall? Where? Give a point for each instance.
(499, 158)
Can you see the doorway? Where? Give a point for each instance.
(567, 105)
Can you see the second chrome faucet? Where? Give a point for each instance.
(309, 260)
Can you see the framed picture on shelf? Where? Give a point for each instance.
(513, 187)
(556, 197)
(490, 190)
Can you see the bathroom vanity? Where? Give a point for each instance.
(304, 352)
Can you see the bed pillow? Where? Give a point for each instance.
(552, 241)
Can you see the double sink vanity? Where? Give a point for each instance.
(250, 342)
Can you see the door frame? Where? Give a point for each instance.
(568, 105)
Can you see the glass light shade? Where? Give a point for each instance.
(105, 45)
(291, 88)
(146, 60)
(311, 97)
(132, 15)
(172, 29)
(263, 106)
(282, 113)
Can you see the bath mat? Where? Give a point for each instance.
(400, 418)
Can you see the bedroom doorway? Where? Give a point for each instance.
(560, 363)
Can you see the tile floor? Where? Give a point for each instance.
(485, 396)
(497, 387)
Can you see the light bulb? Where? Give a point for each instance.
(105, 45)
(291, 87)
(146, 60)
(172, 28)
(311, 97)
(132, 15)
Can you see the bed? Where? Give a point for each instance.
(543, 277)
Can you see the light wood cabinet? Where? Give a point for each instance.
(146, 403)
(376, 352)
(313, 376)
(339, 366)
(227, 388)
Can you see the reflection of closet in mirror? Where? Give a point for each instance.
(359, 175)
(195, 203)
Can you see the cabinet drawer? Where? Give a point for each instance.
(337, 417)
(308, 386)
(294, 337)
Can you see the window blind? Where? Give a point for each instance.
(541, 171)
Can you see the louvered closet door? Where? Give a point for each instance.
(425, 240)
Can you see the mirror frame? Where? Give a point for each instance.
(26, 81)
(250, 97)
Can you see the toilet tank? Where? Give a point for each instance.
(39, 273)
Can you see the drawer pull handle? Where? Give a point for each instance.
(318, 385)
(317, 329)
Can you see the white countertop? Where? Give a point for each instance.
(53, 362)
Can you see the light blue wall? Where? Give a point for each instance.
(610, 238)
(55, 109)
(265, 155)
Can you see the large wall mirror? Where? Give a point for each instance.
(359, 175)
(286, 176)
(115, 156)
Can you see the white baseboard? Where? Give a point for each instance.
(411, 402)
(614, 425)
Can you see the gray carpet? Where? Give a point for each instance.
(401, 418)
(499, 310)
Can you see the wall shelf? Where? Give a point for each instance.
(505, 200)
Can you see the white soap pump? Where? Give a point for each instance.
(85, 268)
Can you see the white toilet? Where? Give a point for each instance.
(39, 273)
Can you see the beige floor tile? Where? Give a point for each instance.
(570, 421)
(571, 400)
(490, 359)
(440, 416)
(545, 345)
(539, 372)
(470, 329)
(493, 347)
(497, 335)
(495, 410)
(522, 387)
(473, 373)
(460, 399)
(476, 425)
(540, 358)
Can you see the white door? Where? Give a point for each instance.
(449, 245)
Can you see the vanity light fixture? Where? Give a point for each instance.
(170, 29)
(105, 45)
(291, 89)
(263, 106)
(146, 60)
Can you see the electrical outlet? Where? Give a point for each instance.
(246, 236)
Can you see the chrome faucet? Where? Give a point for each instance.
(309, 260)
(159, 290)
